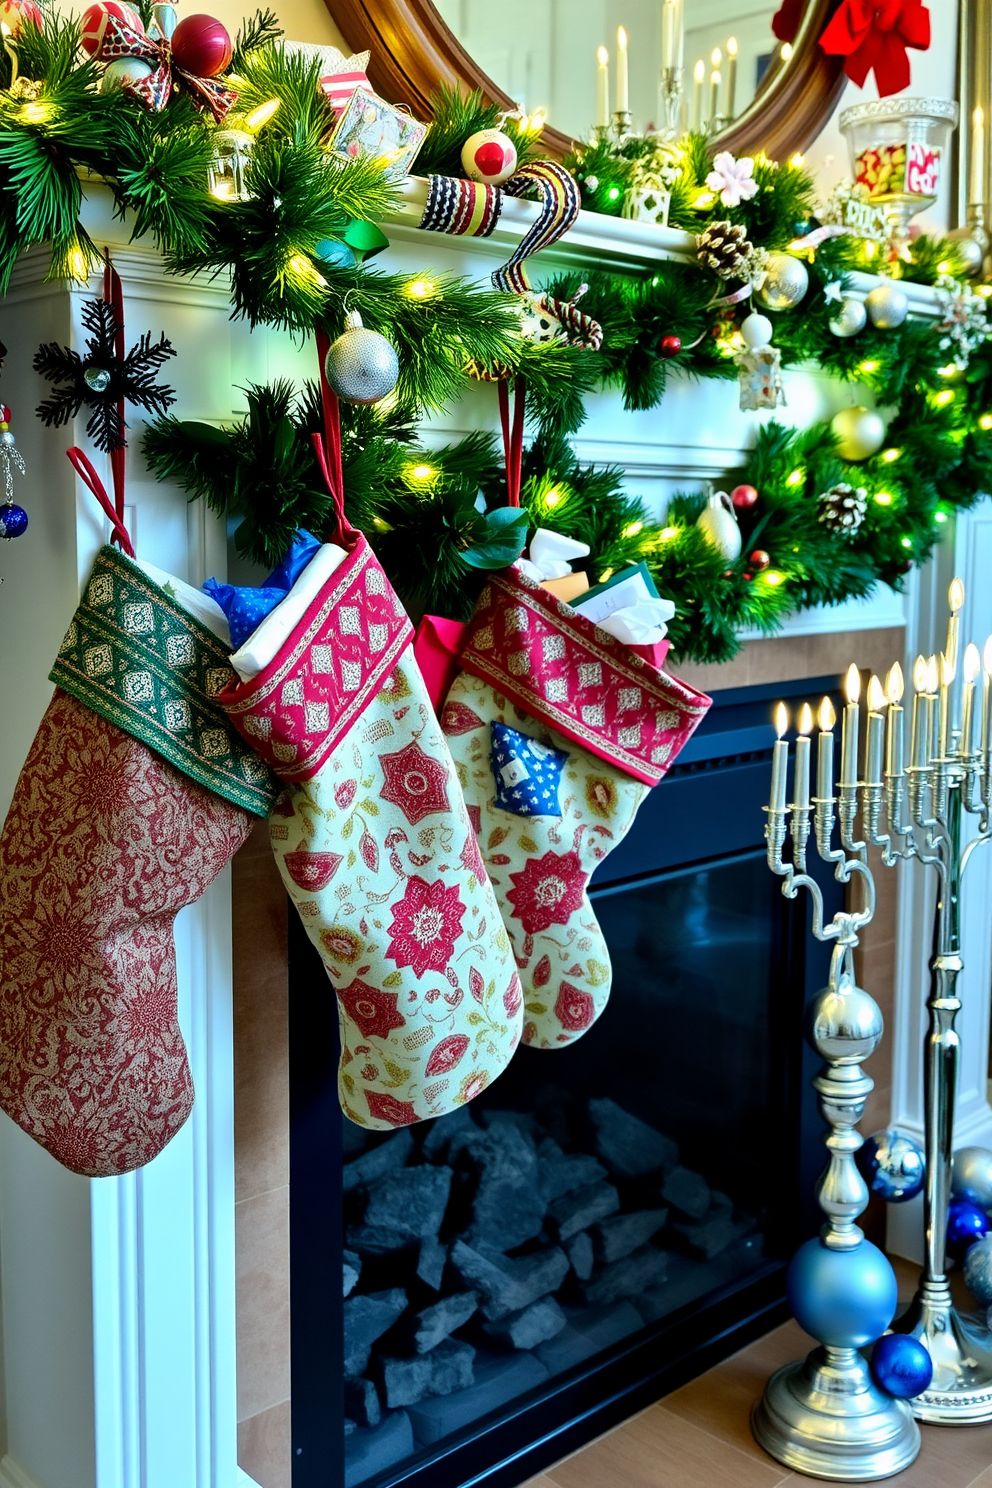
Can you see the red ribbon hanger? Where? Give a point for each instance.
(873, 35)
(327, 446)
(513, 436)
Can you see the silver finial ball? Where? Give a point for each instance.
(361, 365)
(97, 379)
(844, 1025)
(971, 1176)
(851, 317)
(887, 307)
(786, 282)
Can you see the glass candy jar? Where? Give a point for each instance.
(898, 148)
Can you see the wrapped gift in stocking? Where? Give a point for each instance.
(374, 843)
(558, 730)
(136, 793)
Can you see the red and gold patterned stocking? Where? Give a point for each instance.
(135, 794)
(376, 849)
(558, 731)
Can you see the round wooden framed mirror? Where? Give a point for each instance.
(785, 93)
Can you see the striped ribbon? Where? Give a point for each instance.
(461, 208)
(560, 203)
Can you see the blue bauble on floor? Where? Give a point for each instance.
(978, 1270)
(966, 1223)
(901, 1365)
(892, 1166)
(845, 1298)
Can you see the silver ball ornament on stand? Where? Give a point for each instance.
(971, 1176)
(850, 318)
(361, 365)
(860, 432)
(786, 282)
(887, 307)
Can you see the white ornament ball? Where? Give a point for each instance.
(756, 330)
(887, 306)
(718, 522)
(489, 156)
(361, 365)
(850, 318)
(971, 1176)
(860, 432)
(124, 70)
(786, 282)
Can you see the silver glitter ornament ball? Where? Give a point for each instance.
(786, 282)
(887, 307)
(850, 318)
(97, 379)
(361, 366)
(971, 1176)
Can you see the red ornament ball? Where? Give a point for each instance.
(14, 14)
(202, 46)
(489, 156)
(669, 346)
(94, 24)
(743, 497)
(759, 559)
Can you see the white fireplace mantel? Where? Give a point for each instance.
(118, 1294)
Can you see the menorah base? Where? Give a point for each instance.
(826, 1417)
(960, 1346)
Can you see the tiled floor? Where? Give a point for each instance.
(699, 1437)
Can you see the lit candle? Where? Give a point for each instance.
(972, 667)
(731, 76)
(714, 112)
(875, 739)
(918, 749)
(672, 34)
(977, 193)
(947, 674)
(955, 598)
(849, 729)
(623, 98)
(894, 739)
(987, 700)
(780, 759)
(603, 89)
(698, 79)
(825, 759)
(805, 726)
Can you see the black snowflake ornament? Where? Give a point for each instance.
(101, 379)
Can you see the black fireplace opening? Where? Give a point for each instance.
(475, 1297)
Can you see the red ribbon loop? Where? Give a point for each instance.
(872, 36)
(327, 446)
(89, 477)
(513, 437)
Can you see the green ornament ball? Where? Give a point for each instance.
(860, 432)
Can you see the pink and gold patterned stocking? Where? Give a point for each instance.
(558, 731)
(376, 850)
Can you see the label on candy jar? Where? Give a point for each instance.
(922, 169)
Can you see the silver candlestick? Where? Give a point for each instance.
(825, 1415)
(670, 93)
(948, 778)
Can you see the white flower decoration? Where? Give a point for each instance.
(733, 179)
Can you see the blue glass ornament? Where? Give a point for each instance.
(901, 1365)
(892, 1166)
(13, 520)
(845, 1298)
(978, 1270)
(966, 1223)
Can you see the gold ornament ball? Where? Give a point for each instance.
(860, 432)
(887, 307)
(786, 282)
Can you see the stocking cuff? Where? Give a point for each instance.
(584, 683)
(326, 674)
(138, 658)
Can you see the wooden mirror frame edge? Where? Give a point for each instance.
(413, 50)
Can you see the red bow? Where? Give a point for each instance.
(785, 22)
(122, 40)
(873, 36)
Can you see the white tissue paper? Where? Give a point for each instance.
(551, 555)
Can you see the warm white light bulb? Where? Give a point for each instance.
(853, 687)
(972, 662)
(920, 673)
(805, 724)
(781, 720)
(876, 696)
(827, 715)
(955, 595)
(894, 685)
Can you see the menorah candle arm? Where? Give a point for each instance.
(824, 825)
(847, 810)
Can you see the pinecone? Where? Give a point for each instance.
(724, 248)
(842, 508)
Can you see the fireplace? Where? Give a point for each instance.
(476, 1297)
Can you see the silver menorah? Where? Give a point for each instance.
(948, 779)
(825, 1415)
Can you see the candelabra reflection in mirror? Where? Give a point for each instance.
(826, 1415)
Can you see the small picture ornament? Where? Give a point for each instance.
(489, 156)
(361, 365)
(760, 376)
(371, 127)
(843, 508)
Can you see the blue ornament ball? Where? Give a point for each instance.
(966, 1223)
(978, 1270)
(892, 1166)
(845, 1298)
(13, 520)
(901, 1365)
